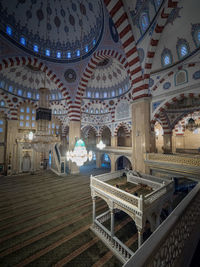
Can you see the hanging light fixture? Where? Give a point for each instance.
(191, 125)
(79, 155)
(101, 145)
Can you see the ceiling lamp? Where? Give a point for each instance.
(79, 155)
(191, 125)
(101, 145)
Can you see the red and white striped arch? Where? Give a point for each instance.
(120, 18)
(87, 128)
(20, 61)
(159, 112)
(104, 127)
(125, 126)
(160, 25)
(75, 108)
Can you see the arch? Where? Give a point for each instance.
(160, 25)
(125, 126)
(86, 128)
(119, 16)
(123, 162)
(159, 111)
(105, 134)
(96, 58)
(20, 61)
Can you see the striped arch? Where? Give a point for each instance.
(160, 25)
(120, 18)
(20, 61)
(159, 112)
(172, 72)
(75, 107)
(102, 128)
(87, 128)
(180, 119)
(124, 126)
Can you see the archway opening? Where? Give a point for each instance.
(121, 137)
(123, 163)
(106, 136)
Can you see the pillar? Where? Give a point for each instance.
(114, 141)
(140, 133)
(112, 223)
(153, 142)
(140, 236)
(98, 159)
(112, 162)
(167, 143)
(93, 209)
(74, 133)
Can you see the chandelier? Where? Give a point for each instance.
(101, 145)
(79, 155)
(191, 125)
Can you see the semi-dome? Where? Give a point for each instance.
(62, 31)
(26, 80)
(110, 79)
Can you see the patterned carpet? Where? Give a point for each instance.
(45, 220)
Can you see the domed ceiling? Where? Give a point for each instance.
(109, 79)
(25, 80)
(61, 31)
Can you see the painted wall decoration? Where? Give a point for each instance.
(166, 85)
(196, 75)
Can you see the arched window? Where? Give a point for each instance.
(105, 94)
(183, 48)
(196, 34)
(101, 110)
(166, 57)
(92, 110)
(144, 22)
(2, 103)
(88, 94)
(97, 111)
(97, 94)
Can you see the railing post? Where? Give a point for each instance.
(112, 222)
(140, 236)
(93, 209)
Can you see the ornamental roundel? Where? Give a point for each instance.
(70, 75)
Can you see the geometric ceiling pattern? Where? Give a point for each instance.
(108, 75)
(26, 76)
(61, 31)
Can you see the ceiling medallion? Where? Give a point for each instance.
(70, 75)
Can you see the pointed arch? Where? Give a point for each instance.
(75, 108)
(20, 61)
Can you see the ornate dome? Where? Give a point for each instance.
(26, 80)
(62, 31)
(109, 79)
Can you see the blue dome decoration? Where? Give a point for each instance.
(113, 31)
(55, 26)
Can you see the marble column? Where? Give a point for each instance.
(112, 222)
(141, 133)
(167, 143)
(74, 134)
